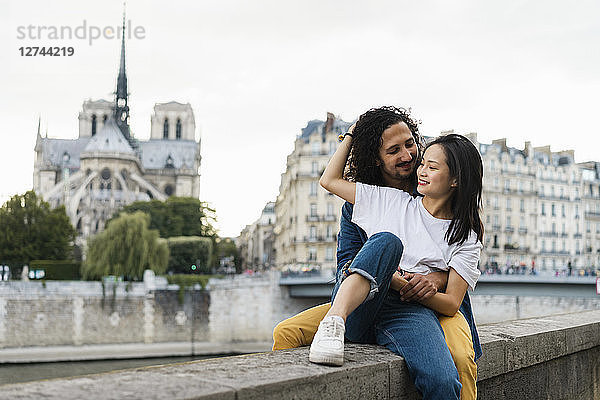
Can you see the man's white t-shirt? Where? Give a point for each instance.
(384, 209)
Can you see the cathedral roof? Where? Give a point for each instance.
(156, 152)
(110, 139)
(54, 150)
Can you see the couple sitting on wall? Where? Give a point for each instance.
(408, 248)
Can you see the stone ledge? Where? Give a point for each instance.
(513, 352)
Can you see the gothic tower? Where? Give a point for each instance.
(121, 105)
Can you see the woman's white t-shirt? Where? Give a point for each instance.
(384, 209)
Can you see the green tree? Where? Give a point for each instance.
(177, 216)
(30, 230)
(126, 248)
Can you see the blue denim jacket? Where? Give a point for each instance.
(350, 240)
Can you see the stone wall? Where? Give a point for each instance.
(497, 308)
(77, 313)
(543, 358)
(231, 310)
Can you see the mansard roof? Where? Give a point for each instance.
(156, 151)
(110, 139)
(316, 126)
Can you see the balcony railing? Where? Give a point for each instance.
(512, 248)
(591, 214)
(321, 218)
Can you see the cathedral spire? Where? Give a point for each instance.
(121, 101)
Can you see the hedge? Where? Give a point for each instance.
(58, 270)
(186, 251)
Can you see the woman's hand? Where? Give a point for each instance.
(398, 281)
(351, 129)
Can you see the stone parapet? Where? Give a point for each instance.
(541, 358)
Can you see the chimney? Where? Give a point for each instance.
(527, 149)
(501, 143)
(329, 122)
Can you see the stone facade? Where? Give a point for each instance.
(106, 168)
(307, 215)
(256, 241)
(540, 208)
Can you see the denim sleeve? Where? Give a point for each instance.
(350, 238)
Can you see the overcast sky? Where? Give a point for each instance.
(256, 72)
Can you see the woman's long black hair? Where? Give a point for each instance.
(464, 163)
(363, 161)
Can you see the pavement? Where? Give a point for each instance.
(126, 351)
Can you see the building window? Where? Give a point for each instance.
(315, 167)
(553, 210)
(166, 129)
(313, 209)
(94, 125)
(543, 208)
(315, 148)
(312, 254)
(332, 147)
(178, 129)
(564, 214)
(313, 188)
(330, 209)
(313, 232)
(522, 205)
(508, 204)
(329, 254)
(329, 231)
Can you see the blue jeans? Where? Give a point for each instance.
(408, 329)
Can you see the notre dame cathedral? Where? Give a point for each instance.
(106, 168)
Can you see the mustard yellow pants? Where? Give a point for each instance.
(300, 329)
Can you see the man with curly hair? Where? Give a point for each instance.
(384, 157)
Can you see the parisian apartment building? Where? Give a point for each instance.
(540, 208)
(256, 241)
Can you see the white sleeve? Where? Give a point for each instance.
(372, 203)
(465, 259)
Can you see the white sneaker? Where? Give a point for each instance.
(328, 344)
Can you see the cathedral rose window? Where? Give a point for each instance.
(105, 174)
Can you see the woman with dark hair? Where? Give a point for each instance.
(440, 231)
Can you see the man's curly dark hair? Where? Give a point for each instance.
(363, 161)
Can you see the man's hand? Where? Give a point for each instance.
(419, 287)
